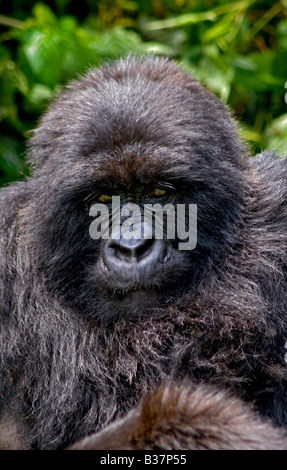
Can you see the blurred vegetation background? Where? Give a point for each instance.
(237, 48)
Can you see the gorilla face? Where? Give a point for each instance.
(142, 132)
(137, 273)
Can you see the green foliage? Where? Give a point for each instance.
(237, 48)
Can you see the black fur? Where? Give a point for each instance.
(72, 359)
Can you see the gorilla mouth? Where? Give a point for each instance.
(123, 284)
(135, 290)
(137, 299)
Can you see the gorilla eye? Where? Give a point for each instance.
(157, 192)
(104, 198)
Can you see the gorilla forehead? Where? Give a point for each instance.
(132, 117)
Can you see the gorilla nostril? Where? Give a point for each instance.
(143, 249)
(131, 250)
(134, 251)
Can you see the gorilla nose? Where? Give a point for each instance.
(143, 252)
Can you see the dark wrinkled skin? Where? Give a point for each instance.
(86, 328)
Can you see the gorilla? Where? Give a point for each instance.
(134, 342)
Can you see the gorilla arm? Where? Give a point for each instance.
(174, 417)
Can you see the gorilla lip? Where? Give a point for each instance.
(125, 286)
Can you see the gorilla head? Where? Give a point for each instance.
(142, 131)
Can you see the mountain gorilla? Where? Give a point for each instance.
(184, 347)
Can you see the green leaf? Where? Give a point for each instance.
(222, 28)
(275, 135)
(12, 166)
(40, 93)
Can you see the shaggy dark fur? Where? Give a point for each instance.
(75, 355)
